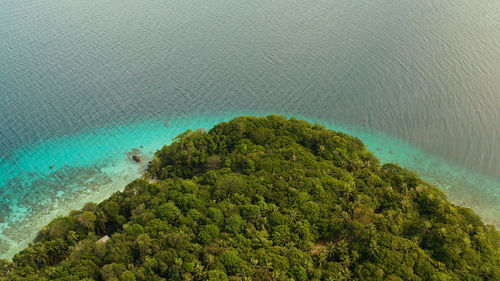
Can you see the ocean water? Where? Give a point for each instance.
(84, 83)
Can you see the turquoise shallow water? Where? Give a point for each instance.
(52, 177)
(84, 83)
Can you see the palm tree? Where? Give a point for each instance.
(72, 237)
(101, 221)
(41, 255)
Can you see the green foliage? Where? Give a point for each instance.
(208, 233)
(168, 212)
(266, 199)
(234, 224)
(231, 261)
(216, 275)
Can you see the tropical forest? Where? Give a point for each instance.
(265, 198)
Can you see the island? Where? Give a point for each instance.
(265, 198)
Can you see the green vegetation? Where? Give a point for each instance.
(266, 199)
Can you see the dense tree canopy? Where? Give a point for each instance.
(266, 199)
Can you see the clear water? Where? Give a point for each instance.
(82, 83)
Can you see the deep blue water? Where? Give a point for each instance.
(82, 83)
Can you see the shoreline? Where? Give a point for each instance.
(32, 224)
(460, 185)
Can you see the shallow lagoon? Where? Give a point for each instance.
(90, 166)
(82, 84)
